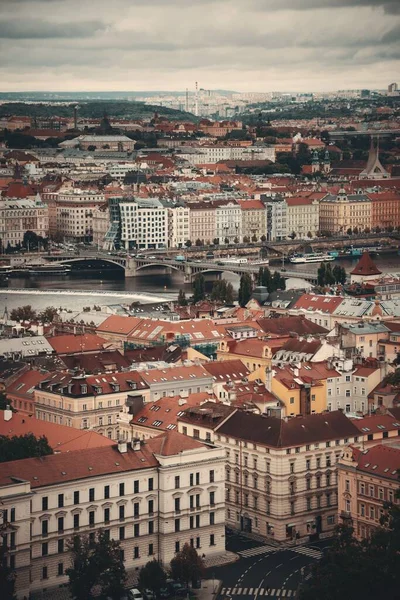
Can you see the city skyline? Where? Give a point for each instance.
(246, 46)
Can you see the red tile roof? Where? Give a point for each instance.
(380, 461)
(314, 302)
(70, 344)
(165, 411)
(186, 373)
(72, 466)
(227, 370)
(119, 325)
(60, 437)
(286, 325)
(377, 424)
(171, 443)
(24, 386)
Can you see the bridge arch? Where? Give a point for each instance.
(77, 259)
(148, 265)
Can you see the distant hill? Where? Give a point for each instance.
(93, 109)
(93, 96)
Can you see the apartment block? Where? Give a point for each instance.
(153, 497)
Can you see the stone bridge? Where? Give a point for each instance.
(135, 267)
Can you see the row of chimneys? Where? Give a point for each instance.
(135, 444)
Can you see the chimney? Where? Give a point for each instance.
(182, 401)
(8, 413)
(135, 444)
(122, 446)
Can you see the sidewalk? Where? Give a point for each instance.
(209, 589)
(226, 558)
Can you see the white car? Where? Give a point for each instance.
(135, 594)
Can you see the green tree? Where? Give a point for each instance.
(349, 231)
(339, 274)
(182, 300)
(199, 288)
(91, 148)
(23, 446)
(367, 230)
(152, 577)
(30, 240)
(97, 568)
(254, 238)
(187, 566)
(188, 243)
(329, 278)
(222, 291)
(48, 314)
(199, 242)
(245, 289)
(236, 240)
(7, 575)
(23, 313)
(226, 240)
(263, 238)
(246, 239)
(321, 274)
(276, 281)
(216, 241)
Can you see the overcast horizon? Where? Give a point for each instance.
(241, 45)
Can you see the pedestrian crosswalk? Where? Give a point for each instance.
(257, 551)
(266, 592)
(307, 552)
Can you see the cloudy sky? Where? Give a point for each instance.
(244, 45)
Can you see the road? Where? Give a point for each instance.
(265, 570)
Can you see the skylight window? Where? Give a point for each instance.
(156, 423)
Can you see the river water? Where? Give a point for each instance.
(110, 288)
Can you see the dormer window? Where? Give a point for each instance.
(84, 388)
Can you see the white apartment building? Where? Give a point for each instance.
(215, 153)
(228, 221)
(302, 217)
(281, 477)
(18, 216)
(74, 214)
(100, 224)
(276, 220)
(348, 389)
(178, 225)
(144, 223)
(152, 496)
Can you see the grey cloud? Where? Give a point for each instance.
(37, 29)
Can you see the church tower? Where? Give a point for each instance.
(315, 166)
(327, 162)
(374, 168)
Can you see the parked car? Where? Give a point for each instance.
(135, 594)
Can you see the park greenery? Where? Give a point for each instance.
(27, 313)
(23, 446)
(153, 577)
(360, 570)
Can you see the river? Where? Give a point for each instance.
(145, 289)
